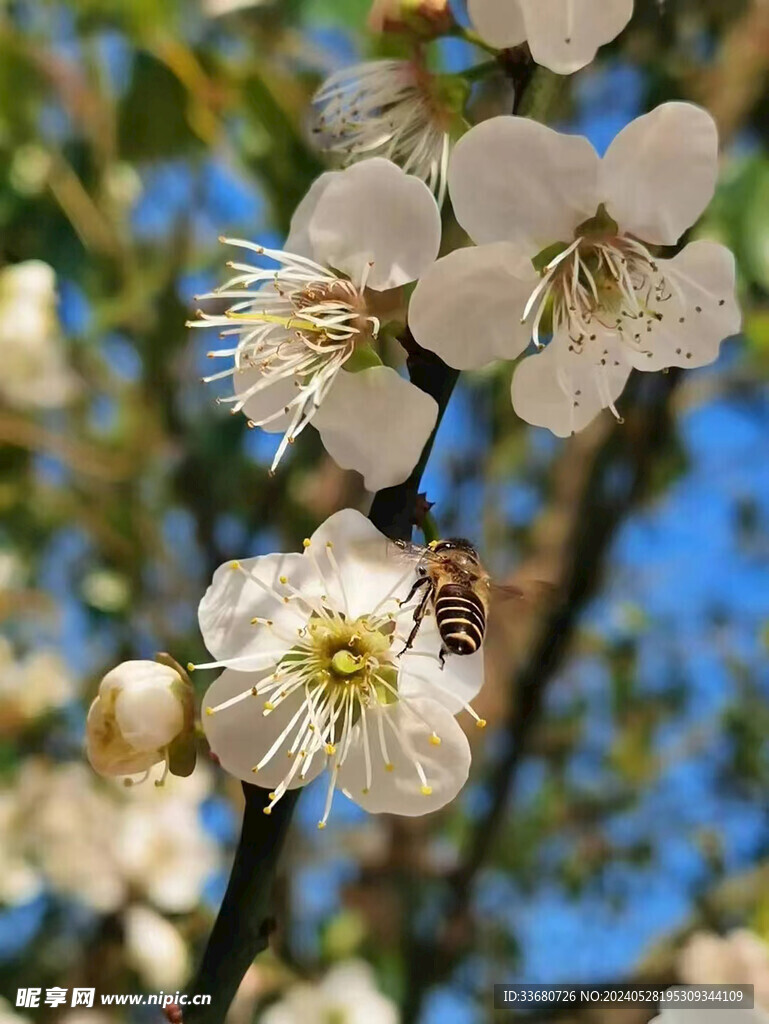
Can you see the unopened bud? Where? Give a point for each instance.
(427, 18)
(143, 715)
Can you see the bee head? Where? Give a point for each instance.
(455, 544)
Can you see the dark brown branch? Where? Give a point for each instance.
(243, 926)
(394, 509)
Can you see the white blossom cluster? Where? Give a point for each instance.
(569, 256)
(141, 854)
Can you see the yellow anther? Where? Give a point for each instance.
(329, 544)
(289, 753)
(234, 565)
(365, 791)
(389, 767)
(321, 825)
(283, 579)
(271, 796)
(427, 790)
(269, 706)
(330, 748)
(306, 542)
(190, 667)
(481, 723)
(267, 810)
(435, 740)
(255, 769)
(209, 711)
(311, 728)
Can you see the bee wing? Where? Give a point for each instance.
(531, 591)
(397, 553)
(404, 551)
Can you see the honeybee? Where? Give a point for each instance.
(457, 587)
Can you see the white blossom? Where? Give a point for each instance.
(292, 333)
(57, 828)
(64, 830)
(563, 35)
(35, 370)
(31, 686)
(346, 995)
(143, 709)
(20, 881)
(739, 958)
(395, 109)
(9, 1016)
(155, 948)
(160, 844)
(566, 245)
(315, 676)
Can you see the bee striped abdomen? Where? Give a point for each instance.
(461, 618)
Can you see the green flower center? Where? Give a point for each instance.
(341, 658)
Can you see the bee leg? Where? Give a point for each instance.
(419, 614)
(419, 583)
(442, 656)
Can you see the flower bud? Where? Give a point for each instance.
(425, 17)
(142, 716)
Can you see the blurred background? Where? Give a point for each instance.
(616, 823)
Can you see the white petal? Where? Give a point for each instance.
(143, 673)
(499, 24)
(234, 599)
(148, 716)
(155, 948)
(454, 685)
(660, 172)
(399, 791)
(110, 754)
(512, 179)
(298, 240)
(704, 278)
(241, 735)
(565, 391)
(467, 307)
(267, 402)
(376, 213)
(371, 568)
(564, 35)
(377, 423)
